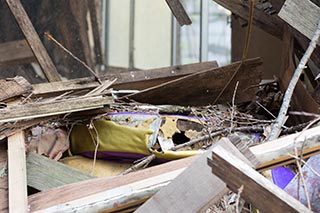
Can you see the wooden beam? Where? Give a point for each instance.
(4, 204)
(18, 201)
(193, 195)
(135, 80)
(15, 52)
(279, 152)
(70, 192)
(37, 110)
(44, 173)
(302, 15)
(179, 12)
(33, 40)
(257, 190)
(198, 88)
(12, 87)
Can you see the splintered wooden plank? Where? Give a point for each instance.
(280, 151)
(33, 40)
(196, 188)
(257, 190)
(44, 109)
(4, 204)
(179, 12)
(302, 15)
(75, 191)
(202, 88)
(18, 201)
(135, 80)
(15, 52)
(44, 173)
(13, 87)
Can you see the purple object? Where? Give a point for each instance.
(282, 176)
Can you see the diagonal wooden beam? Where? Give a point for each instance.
(33, 40)
(179, 12)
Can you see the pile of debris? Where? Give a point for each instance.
(173, 139)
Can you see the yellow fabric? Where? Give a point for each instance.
(118, 138)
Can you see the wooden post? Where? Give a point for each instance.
(33, 40)
(18, 197)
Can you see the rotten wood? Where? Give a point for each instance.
(33, 40)
(4, 204)
(38, 110)
(15, 52)
(257, 190)
(44, 173)
(18, 200)
(70, 192)
(12, 87)
(197, 89)
(133, 80)
(302, 15)
(179, 12)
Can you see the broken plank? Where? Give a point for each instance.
(4, 204)
(280, 151)
(302, 15)
(203, 87)
(18, 201)
(15, 52)
(44, 109)
(134, 80)
(44, 173)
(12, 87)
(179, 12)
(70, 192)
(257, 190)
(196, 187)
(33, 40)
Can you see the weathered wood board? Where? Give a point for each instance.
(203, 87)
(10, 88)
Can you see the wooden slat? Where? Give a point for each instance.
(44, 173)
(302, 15)
(194, 189)
(18, 201)
(4, 204)
(13, 87)
(257, 190)
(33, 40)
(135, 80)
(279, 152)
(37, 110)
(179, 12)
(202, 88)
(83, 189)
(15, 52)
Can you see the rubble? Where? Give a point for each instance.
(171, 139)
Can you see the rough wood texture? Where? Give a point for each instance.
(3, 180)
(33, 40)
(277, 152)
(37, 110)
(179, 12)
(202, 88)
(44, 173)
(18, 201)
(302, 15)
(257, 190)
(196, 188)
(135, 80)
(15, 52)
(79, 190)
(95, 31)
(13, 87)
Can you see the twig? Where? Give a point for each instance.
(233, 106)
(50, 38)
(238, 198)
(276, 129)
